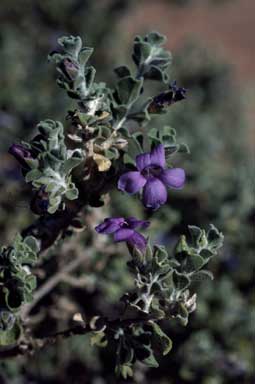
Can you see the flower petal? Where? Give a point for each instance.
(143, 160)
(110, 225)
(123, 234)
(174, 178)
(158, 156)
(154, 193)
(134, 223)
(138, 241)
(131, 182)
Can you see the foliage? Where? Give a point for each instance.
(218, 190)
(49, 163)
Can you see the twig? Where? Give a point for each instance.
(33, 345)
(62, 275)
(50, 284)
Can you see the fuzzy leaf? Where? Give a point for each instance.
(160, 340)
(181, 281)
(10, 337)
(129, 90)
(151, 59)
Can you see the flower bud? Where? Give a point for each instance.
(70, 68)
(21, 154)
(40, 202)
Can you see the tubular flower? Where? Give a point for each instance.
(124, 230)
(153, 177)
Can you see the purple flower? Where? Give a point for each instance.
(124, 230)
(153, 176)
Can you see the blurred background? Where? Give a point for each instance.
(212, 42)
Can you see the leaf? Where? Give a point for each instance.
(156, 38)
(156, 312)
(138, 257)
(30, 283)
(183, 314)
(32, 175)
(215, 238)
(129, 90)
(150, 360)
(206, 254)
(171, 150)
(85, 54)
(183, 148)
(181, 281)
(90, 76)
(160, 340)
(10, 337)
(122, 71)
(202, 275)
(150, 57)
(32, 163)
(194, 262)
(98, 339)
(32, 243)
(14, 296)
(71, 44)
(126, 371)
(160, 253)
(128, 159)
(202, 240)
(134, 148)
(195, 232)
(71, 163)
(182, 246)
(26, 249)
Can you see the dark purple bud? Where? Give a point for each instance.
(179, 93)
(70, 68)
(21, 154)
(167, 98)
(40, 202)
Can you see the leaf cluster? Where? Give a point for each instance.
(17, 283)
(162, 282)
(75, 75)
(50, 169)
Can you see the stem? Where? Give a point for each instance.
(147, 297)
(50, 284)
(33, 345)
(47, 228)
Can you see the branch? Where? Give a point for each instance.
(47, 228)
(63, 275)
(33, 345)
(52, 282)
